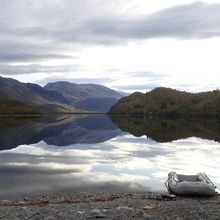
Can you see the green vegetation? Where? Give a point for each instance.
(11, 107)
(169, 102)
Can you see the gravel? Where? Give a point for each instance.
(112, 206)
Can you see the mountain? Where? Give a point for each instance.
(14, 94)
(90, 97)
(58, 97)
(11, 107)
(101, 104)
(169, 102)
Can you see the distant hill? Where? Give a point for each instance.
(58, 97)
(169, 102)
(15, 94)
(102, 104)
(90, 97)
(10, 107)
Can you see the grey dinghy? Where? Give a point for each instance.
(198, 184)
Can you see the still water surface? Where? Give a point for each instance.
(93, 153)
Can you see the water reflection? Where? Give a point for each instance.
(120, 163)
(166, 130)
(59, 130)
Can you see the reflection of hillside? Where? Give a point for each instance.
(61, 130)
(166, 130)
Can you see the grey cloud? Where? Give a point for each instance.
(35, 68)
(196, 20)
(143, 74)
(22, 48)
(13, 57)
(147, 74)
(146, 86)
(39, 34)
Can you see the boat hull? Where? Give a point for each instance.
(199, 188)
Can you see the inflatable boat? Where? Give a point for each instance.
(198, 184)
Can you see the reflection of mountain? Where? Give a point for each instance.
(60, 131)
(167, 130)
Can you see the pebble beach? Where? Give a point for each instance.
(112, 206)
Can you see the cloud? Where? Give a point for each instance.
(146, 86)
(13, 57)
(191, 21)
(34, 36)
(146, 74)
(35, 68)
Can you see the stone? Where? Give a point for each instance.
(124, 208)
(147, 216)
(97, 213)
(168, 196)
(26, 199)
(148, 207)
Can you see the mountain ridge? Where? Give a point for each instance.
(89, 97)
(33, 99)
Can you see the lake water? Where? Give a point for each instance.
(93, 153)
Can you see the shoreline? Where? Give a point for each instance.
(112, 206)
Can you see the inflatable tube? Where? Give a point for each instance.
(199, 184)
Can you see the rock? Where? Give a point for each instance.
(24, 207)
(124, 208)
(148, 207)
(128, 194)
(147, 216)
(168, 196)
(26, 199)
(49, 218)
(97, 213)
(5, 201)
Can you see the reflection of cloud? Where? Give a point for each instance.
(111, 166)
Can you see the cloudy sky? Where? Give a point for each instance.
(128, 45)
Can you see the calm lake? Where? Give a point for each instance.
(93, 153)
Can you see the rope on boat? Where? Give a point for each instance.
(207, 179)
(170, 176)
